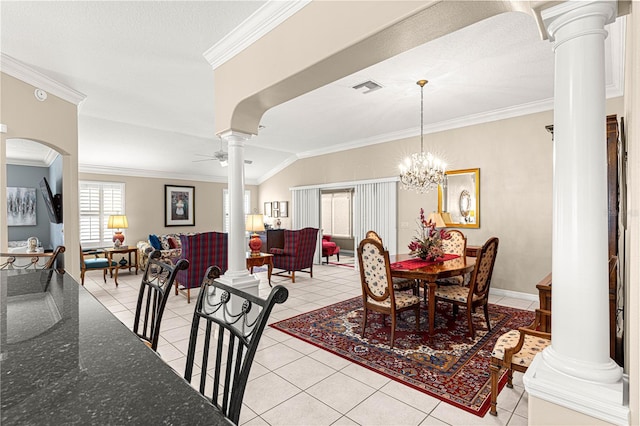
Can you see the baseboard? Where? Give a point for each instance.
(515, 294)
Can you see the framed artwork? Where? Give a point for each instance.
(179, 205)
(459, 198)
(267, 209)
(284, 209)
(21, 206)
(275, 205)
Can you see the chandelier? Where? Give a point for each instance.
(421, 171)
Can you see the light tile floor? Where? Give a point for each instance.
(295, 383)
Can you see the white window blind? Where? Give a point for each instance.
(336, 214)
(226, 206)
(99, 200)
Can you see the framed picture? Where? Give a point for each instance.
(284, 209)
(275, 205)
(267, 209)
(179, 205)
(21, 206)
(276, 213)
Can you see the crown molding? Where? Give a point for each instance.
(280, 167)
(158, 174)
(21, 71)
(265, 19)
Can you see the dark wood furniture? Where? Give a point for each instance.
(32, 260)
(378, 294)
(428, 275)
(154, 291)
(272, 238)
(233, 324)
(298, 252)
(81, 365)
(477, 294)
(516, 349)
(123, 264)
(260, 259)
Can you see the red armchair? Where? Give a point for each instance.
(201, 250)
(329, 248)
(297, 254)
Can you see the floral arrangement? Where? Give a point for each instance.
(427, 244)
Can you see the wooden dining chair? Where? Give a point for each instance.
(398, 283)
(516, 349)
(157, 279)
(233, 324)
(477, 294)
(456, 244)
(378, 294)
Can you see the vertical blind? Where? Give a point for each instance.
(99, 200)
(375, 208)
(305, 212)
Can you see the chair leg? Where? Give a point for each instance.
(495, 375)
(418, 317)
(455, 311)
(393, 328)
(472, 330)
(311, 271)
(486, 316)
(293, 276)
(510, 378)
(338, 256)
(364, 321)
(188, 294)
(104, 275)
(82, 278)
(176, 284)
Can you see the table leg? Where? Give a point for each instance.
(432, 306)
(269, 269)
(115, 278)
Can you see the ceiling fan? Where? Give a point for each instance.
(221, 155)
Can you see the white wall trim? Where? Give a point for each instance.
(23, 72)
(499, 292)
(159, 174)
(265, 19)
(345, 184)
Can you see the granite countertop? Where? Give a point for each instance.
(65, 359)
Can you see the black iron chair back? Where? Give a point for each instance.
(235, 320)
(154, 291)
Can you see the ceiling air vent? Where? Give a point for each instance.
(369, 85)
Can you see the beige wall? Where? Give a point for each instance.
(144, 204)
(54, 123)
(515, 161)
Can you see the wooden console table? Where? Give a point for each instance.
(260, 259)
(123, 250)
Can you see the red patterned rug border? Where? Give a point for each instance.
(480, 412)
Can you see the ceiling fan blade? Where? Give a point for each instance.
(204, 159)
(248, 162)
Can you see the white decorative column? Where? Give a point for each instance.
(237, 274)
(576, 371)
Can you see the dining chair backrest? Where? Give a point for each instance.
(481, 276)
(32, 260)
(154, 291)
(374, 236)
(375, 271)
(456, 244)
(233, 324)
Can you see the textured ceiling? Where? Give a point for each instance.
(150, 90)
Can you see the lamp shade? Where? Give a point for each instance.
(437, 219)
(255, 223)
(117, 222)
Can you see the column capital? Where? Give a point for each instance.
(232, 136)
(557, 17)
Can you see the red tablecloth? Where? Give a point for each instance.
(419, 263)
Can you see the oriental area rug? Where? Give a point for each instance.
(448, 366)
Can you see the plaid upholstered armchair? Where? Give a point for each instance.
(297, 254)
(201, 250)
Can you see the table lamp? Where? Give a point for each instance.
(118, 222)
(437, 219)
(255, 224)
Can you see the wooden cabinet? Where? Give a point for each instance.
(272, 238)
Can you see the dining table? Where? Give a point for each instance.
(428, 272)
(66, 359)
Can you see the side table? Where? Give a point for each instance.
(129, 264)
(260, 259)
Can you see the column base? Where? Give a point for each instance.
(241, 280)
(604, 401)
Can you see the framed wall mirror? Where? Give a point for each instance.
(459, 198)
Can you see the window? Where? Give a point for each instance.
(99, 200)
(225, 204)
(336, 214)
